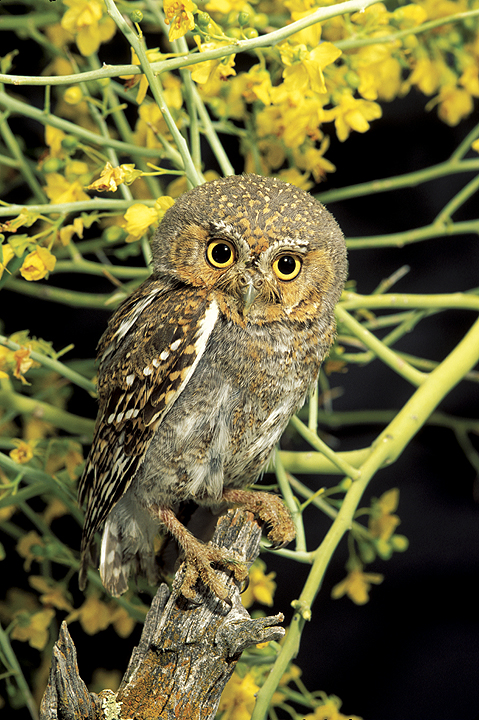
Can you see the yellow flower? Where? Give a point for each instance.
(294, 177)
(211, 73)
(352, 114)
(6, 254)
(153, 55)
(73, 95)
(26, 217)
(257, 85)
(53, 593)
(470, 79)
(356, 585)
(475, 145)
(122, 622)
(304, 68)
(94, 615)
(53, 138)
(149, 126)
(224, 6)
(23, 453)
(89, 23)
(38, 264)
(311, 35)
(329, 710)
(455, 104)
(382, 523)
(59, 190)
(162, 205)
(261, 587)
(138, 219)
(55, 509)
(25, 548)
(238, 698)
(179, 13)
(312, 159)
(111, 177)
(33, 628)
(428, 75)
(23, 362)
(67, 231)
(409, 16)
(379, 73)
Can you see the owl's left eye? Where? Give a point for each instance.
(287, 267)
(220, 254)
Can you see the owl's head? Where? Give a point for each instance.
(262, 246)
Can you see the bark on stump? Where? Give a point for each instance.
(186, 655)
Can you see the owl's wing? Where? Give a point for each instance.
(147, 355)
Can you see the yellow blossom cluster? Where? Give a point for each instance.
(337, 72)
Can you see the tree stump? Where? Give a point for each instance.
(187, 651)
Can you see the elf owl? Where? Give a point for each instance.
(201, 369)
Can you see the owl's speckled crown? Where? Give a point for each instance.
(267, 209)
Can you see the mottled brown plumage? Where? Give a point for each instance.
(202, 367)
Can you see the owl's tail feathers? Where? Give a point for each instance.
(120, 556)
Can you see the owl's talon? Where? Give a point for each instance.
(199, 567)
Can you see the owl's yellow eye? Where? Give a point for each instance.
(287, 267)
(220, 254)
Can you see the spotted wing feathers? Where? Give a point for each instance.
(147, 355)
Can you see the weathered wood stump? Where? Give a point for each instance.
(186, 655)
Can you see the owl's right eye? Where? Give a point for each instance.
(220, 254)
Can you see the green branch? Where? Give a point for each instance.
(23, 405)
(267, 40)
(54, 365)
(411, 179)
(193, 175)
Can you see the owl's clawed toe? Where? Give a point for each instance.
(270, 510)
(200, 566)
(202, 560)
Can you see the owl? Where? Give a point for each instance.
(200, 370)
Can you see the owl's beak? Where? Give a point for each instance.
(249, 293)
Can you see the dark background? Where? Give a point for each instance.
(413, 650)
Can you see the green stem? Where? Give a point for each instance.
(23, 405)
(408, 237)
(17, 672)
(117, 207)
(309, 463)
(70, 128)
(55, 365)
(24, 167)
(352, 43)
(100, 301)
(455, 203)
(382, 351)
(291, 503)
(316, 442)
(211, 134)
(412, 179)
(463, 301)
(193, 175)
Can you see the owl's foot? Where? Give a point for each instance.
(268, 508)
(199, 558)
